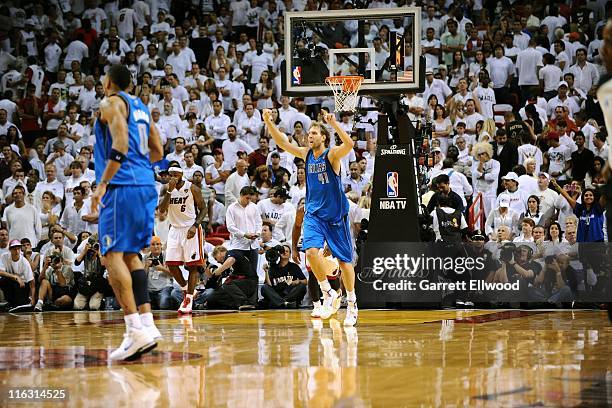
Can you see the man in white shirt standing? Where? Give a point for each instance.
(249, 128)
(178, 154)
(528, 63)
(431, 48)
(22, 219)
(431, 22)
(485, 95)
(190, 166)
(585, 74)
(233, 145)
(196, 79)
(217, 123)
(61, 159)
(54, 111)
(52, 53)
(180, 62)
(244, 224)
(520, 39)
(224, 86)
(76, 51)
(178, 91)
(238, 12)
(286, 111)
(235, 182)
(546, 195)
(435, 86)
(260, 61)
(502, 73)
(50, 184)
(562, 100)
(471, 117)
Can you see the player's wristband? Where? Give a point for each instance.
(117, 156)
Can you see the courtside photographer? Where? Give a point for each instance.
(90, 283)
(285, 285)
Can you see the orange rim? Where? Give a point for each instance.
(349, 83)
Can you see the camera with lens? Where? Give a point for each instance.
(507, 252)
(56, 258)
(273, 254)
(155, 261)
(93, 242)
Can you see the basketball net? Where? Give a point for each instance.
(345, 90)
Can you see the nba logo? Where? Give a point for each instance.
(392, 184)
(297, 76)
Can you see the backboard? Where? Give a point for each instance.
(378, 44)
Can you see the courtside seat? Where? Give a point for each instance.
(215, 240)
(221, 231)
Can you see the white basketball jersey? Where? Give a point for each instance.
(125, 23)
(181, 211)
(38, 75)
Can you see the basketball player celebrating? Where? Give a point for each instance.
(326, 216)
(186, 210)
(126, 145)
(604, 94)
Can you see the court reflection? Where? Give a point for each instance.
(286, 359)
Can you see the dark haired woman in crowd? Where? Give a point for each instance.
(261, 181)
(533, 210)
(554, 234)
(590, 227)
(595, 177)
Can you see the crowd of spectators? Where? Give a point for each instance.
(510, 98)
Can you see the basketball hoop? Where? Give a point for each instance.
(345, 90)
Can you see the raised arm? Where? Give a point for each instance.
(338, 152)
(564, 193)
(281, 139)
(166, 195)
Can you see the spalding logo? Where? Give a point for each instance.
(392, 150)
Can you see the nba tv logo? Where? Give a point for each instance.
(392, 201)
(392, 184)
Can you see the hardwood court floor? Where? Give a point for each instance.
(285, 359)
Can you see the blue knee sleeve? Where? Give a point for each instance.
(140, 287)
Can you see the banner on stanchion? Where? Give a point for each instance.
(395, 273)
